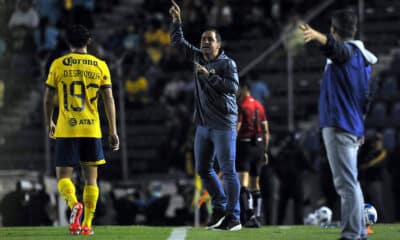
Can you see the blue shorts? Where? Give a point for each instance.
(71, 152)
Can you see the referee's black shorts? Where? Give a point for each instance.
(249, 156)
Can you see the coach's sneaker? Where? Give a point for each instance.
(75, 219)
(230, 223)
(216, 218)
(87, 230)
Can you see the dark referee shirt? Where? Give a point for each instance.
(247, 113)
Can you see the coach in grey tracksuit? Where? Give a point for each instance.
(215, 114)
(343, 101)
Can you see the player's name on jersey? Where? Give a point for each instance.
(69, 61)
(80, 73)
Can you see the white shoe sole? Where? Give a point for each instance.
(216, 225)
(236, 228)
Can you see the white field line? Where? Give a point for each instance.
(178, 234)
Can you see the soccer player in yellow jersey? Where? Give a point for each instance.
(77, 79)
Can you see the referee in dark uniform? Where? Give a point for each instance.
(252, 145)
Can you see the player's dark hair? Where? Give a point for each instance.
(217, 34)
(344, 23)
(77, 36)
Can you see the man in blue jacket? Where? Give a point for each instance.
(215, 114)
(343, 101)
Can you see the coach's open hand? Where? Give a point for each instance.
(312, 35)
(175, 12)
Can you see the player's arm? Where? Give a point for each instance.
(48, 107)
(337, 51)
(176, 32)
(109, 107)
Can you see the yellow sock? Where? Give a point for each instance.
(90, 196)
(67, 190)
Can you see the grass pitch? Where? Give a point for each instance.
(382, 232)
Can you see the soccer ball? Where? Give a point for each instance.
(370, 214)
(311, 219)
(324, 215)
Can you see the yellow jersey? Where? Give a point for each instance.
(77, 78)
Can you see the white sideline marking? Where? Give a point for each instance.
(177, 234)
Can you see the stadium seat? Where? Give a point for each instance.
(395, 112)
(389, 87)
(370, 132)
(389, 138)
(378, 112)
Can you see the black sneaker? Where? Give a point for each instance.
(216, 218)
(230, 223)
(253, 222)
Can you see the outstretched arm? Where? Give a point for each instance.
(175, 12)
(337, 51)
(109, 107)
(176, 32)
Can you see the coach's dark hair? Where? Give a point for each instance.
(217, 34)
(77, 36)
(344, 23)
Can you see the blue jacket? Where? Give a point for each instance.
(345, 90)
(215, 96)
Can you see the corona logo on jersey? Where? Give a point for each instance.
(69, 61)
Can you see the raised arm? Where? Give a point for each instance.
(176, 32)
(337, 51)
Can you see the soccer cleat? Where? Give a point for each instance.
(87, 230)
(75, 219)
(216, 218)
(74, 229)
(230, 223)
